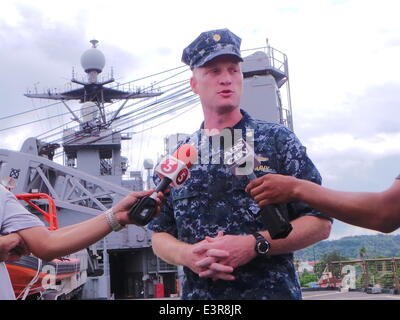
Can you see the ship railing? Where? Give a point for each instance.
(276, 59)
(51, 215)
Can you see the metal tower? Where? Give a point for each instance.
(266, 77)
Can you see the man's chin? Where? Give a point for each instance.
(225, 109)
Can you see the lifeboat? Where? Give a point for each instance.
(32, 277)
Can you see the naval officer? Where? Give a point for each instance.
(211, 225)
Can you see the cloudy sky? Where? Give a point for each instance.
(343, 63)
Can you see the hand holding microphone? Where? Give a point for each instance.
(174, 170)
(242, 161)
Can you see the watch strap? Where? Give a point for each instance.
(112, 221)
(260, 240)
(258, 236)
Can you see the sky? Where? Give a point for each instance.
(343, 69)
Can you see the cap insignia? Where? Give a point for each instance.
(216, 37)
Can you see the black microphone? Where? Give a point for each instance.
(241, 159)
(174, 170)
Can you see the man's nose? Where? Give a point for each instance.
(225, 78)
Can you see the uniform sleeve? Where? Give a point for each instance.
(14, 216)
(294, 161)
(165, 221)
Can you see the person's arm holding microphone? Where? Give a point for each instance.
(373, 210)
(48, 245)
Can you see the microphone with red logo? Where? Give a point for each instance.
(174, 170)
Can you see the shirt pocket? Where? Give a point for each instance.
(185, 201)
(242, 202)
(181, 194)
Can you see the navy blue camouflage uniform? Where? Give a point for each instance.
(213, 200)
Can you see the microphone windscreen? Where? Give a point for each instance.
(187, 154)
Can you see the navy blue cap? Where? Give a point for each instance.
(211, 44)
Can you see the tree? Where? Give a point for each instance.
(362, 252)
(386, 280)
(307, 278)
(326, 259)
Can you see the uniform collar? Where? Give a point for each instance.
(242, 124)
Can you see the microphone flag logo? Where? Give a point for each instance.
(169, 165)
(182, 176)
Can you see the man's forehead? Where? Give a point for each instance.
(230, 59)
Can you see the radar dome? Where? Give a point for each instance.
(93, 59)
(148, 164)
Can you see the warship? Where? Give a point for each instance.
(81, 168)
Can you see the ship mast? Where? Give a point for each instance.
(94, 92)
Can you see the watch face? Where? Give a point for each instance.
(262, 247)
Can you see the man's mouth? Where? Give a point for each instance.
(226, 92)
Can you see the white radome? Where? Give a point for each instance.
(148, 164)
(93, 60)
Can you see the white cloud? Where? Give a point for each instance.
(378, 145)
(341, 230)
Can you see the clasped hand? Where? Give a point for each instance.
(216, 258)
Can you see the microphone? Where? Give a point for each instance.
(174, 170)
(241, 159)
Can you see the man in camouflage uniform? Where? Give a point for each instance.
(211, 225)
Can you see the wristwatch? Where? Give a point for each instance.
(112, 221)
(262, 245)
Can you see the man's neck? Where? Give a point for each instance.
(217, 121)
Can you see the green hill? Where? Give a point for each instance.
(376, 246)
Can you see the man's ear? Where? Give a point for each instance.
(193, 84)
